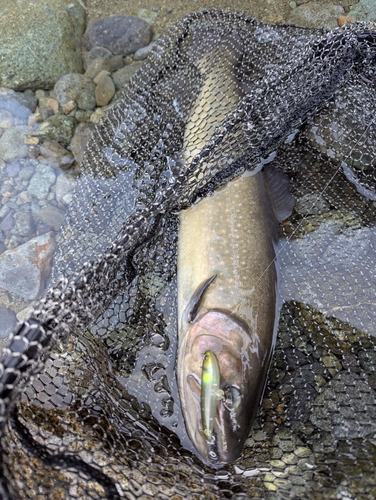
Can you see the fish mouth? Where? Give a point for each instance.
(242, 374)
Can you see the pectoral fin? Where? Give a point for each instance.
(194, 303)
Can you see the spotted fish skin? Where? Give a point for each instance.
(227, 278)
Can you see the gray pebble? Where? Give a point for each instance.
(65, 185)
(13, 169)
(23, 224)
(119, 34)
(8, 222)
(311, 204)
(12, 144)
(83, 116)
(143, 53)
(109, 64)
(26, 172)
(51, 217)
(41, 181)
(4, 210)
(75, 87)
(97, 52)
(122, 76)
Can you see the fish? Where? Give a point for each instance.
(227, 276)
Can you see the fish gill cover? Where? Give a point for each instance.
(89, 405)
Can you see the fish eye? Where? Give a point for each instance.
(231, 397)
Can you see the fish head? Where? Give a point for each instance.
(242, 367)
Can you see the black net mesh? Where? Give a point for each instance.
(89, 402)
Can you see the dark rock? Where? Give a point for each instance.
(8, 322)
(59, 128)
(119, 34)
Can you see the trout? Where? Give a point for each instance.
(227, 280)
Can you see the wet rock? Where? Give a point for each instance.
(51, 216)
(99, 64)
(75, 87)
(119, 34)
(105, 89)
(13, 169)
(20, 105)
(65, 185)
(23, 224)
(24, 197)
(59, 128)
(51, 48)
(8, 321)
(143, 53)
(80, 139)
(41, 181)
(26, 172)
(12, 144)
(123, 75)
(56, 154)
(83, 116)
(24, 269)
(8, 221)
(97, 53)
(315, 15)
(4, 210)
(365, 10)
